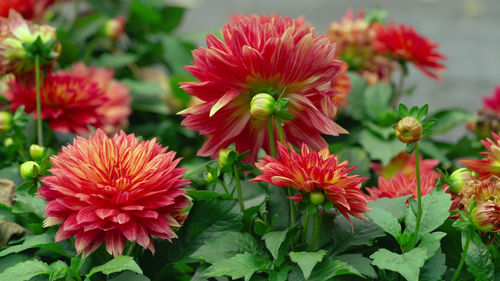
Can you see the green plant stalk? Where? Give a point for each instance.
(270, 130)
(317, 223)
(419, 194)
(304, 229)
(293, 210)
(38, 101)
(238, 187)
(464, 254)
(398, 92)
(131, 248)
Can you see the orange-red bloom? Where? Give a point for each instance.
(116, 110)
(112, 190)
(69, 103)
(492, 102)
(404, 43)
(406, 164)
(30, 9)
(490, 165)
(343, 86)
(310, 171)
(401, 185)
(275, 55)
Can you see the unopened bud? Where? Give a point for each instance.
(37, 152)
(317, 197)
(222, 159)
(458, 179)
(409, 130)
(27, 169)
(115, 28)
(262, 106)
(485, 217)
(8, 142)
(5, 121)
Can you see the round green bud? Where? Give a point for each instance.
(458, 179)
(5, 121)
(409, 130)
(8, 142)
(262, 106)
(210, 177)
(317, 197)
(222, 159)
(27, 169)
(37, 152)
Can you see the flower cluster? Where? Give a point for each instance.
(489, 165)
(310, 171)
(112, 190)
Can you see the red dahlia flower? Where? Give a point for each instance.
(401, 185)
(490, 165)
(404, 43)
(310, 171)
(492, 102)
(30, 9)
(406, 164)
(69, 103)
(112, 190)
(343, 85)
(273, 55)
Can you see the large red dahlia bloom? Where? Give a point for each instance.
(490, 165)
(69, 103)
(274, 55)
(404, 43)
(309, 171)
(28, 8)
(112, 190)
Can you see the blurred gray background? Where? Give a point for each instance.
(467, 30)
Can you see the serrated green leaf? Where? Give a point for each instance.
(432, 242)
(449, 119)
(385, 220)
(26, 203)
(117, 264)
(478, 259)
(307, 260)
(226, 246)
(396, 206)
(44, 241)
(355, 100)
(274, 241)
(130, 276)
(422, 112)
(25, 271)
(239, 266)
(361, 263)
(330, 268)
(59, 270)
(407, 264)
(378, 148)
(363, 232)
(434, 268)
(206, 195)
(435, 211)
(377, 99)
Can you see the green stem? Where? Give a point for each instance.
(464, 254)
(399, 87)
(317, 223)
(38, 101)
(304, 228)
(419, 193)
(224, 186)
(130, 249)
(272, 143)
(238, 187)
(280, 131)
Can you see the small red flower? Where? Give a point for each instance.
(274, 55)
(112, 190)
(490, 165)
(310, 171)
(404, 43)
(492, 103)
(401, 185)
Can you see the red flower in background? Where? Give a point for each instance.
(274, 55)
(30, 9)
(492, 103)
(406, 164)
(400, 185)
(310, 171)
(490, 165)
(404, 43)
(112, 190)
(343, 86)
(69, 103)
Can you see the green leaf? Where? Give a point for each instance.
(403, 110)
(429, 148)
(274, 241)
(377, 99)
(115, 60)
(307, 260)
(407, 264)
(363, 232)
(435, 211)
(478, 259)
(59, 270)
(117, 264)
(129, 276)
(206, 195)
(386, 221)
(434, 268)
(330, 268)
(355, 100)
(176, 54)
(449, 119)
(356, 157)
(422, 112)
(239, 266)
(44, 241)
(396, 206)
(227, 246)
(26, 203)
(362, 264)
(432, 242)
(147, 96)
(25, 271)
(145, 13)
(378, 148)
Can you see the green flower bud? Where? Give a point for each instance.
(458, 179)
(37, 152)
(27, 169)
(409, 130)
(317, 197)
(222, 159)
(262, 106)
(8, 142)
(5, 121)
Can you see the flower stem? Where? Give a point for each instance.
(280, 131)
(419, 194)
(238, 187)
(270, 130)
(464, 254)
(399, 87)
(317, 223)
(38, 101)
(304, 228)
(131, 248)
